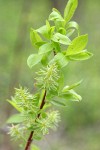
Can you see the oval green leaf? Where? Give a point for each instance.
(55, 15)
(80, 56)
(34, 37)
(17, 118)
(46, 48)
(77, 45)
(33, 60)
(61, 39)
(60, 59)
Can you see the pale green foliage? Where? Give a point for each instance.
(77, 45)
(70, 9)
(72, 25)
(62, 39)
(33, 59)
(60, 59)
(54, 51)
(34, 147)
(58, 35)
(67, 88)
(45, 48)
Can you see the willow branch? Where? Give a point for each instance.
(29, 141)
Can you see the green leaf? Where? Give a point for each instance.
(67, 88)
(70, 32)
(33, 60)
(51, 31)
(34, 147)
(33, 127)
(77, 45)
(58, 103)
(15, 105)
(71, 95)
(76, 96)
(48, 25)
(17, 118)
(74, 25)
(45, 60)
(51, 94)
(56, 10)
(59, 24)
(57, 47)
(70, 9)
(80, 56)
(62, 30)
(60, 59)
(61, 81)
(38, 44)
(46, 48)
(61, 39)
(38, 137)
(44, 31)
(34, 37)
(55, 15)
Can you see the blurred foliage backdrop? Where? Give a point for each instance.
(80, 127)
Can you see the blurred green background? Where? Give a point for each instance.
(80, 127)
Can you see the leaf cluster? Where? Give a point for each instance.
(57, 32)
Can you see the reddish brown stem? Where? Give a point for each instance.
(43, 102)
(29, 141)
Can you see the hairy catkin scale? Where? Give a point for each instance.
(47, 77)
